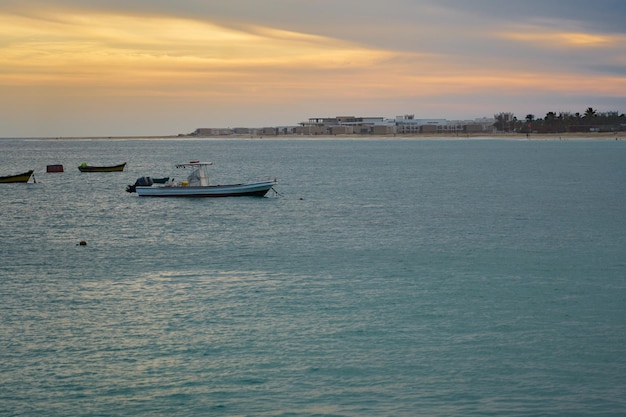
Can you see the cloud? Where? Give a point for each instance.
(116, 50)
(545, 37)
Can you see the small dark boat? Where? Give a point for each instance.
(17, 178)
(88, 168)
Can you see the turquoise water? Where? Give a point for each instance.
(387, 278)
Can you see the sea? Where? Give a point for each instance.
(380, 277)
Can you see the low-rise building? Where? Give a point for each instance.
(212, 131)
(341, 130)
(428, 129)
(382, 130)
(344, 125)
(286, 130)
(308, 130)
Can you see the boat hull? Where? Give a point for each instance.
(258, 189)
(114, 168)
(17, 178)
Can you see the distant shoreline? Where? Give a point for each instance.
(427, 136)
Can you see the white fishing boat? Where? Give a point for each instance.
(197, 185)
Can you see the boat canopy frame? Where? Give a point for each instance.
(200, 174)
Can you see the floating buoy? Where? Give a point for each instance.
(54, 168)
(82, 243)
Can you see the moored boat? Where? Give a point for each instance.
(197, 185)
(90, 168)
(24, 177)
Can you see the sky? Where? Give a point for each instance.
(163, 67)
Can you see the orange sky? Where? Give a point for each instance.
(95, 71)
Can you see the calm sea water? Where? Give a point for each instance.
(387, 278)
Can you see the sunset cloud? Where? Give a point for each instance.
(558, 39)
(126, 50)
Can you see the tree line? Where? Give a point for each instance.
(589, 121)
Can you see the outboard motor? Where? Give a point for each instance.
(142, 182)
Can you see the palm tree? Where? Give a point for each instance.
(590, 112)
(529, 122)
(550, 121)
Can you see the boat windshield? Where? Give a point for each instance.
(194, 177)
(199, 176)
